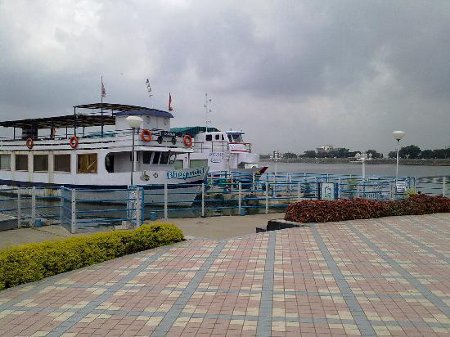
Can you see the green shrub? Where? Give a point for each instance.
(32, 262)
(344, 209)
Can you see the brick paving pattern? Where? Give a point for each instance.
(379, 277)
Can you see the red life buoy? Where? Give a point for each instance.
(187, 140)
(73, 142)
(30, 143)
(146, 135)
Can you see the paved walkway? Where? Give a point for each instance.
(381, 277)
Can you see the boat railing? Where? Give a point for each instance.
(240, 147)
(210, 146)
(158, 137)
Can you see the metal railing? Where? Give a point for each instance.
(81, 210)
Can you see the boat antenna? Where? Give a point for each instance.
(102, 95)
(207, 110)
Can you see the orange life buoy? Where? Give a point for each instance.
(73, 142)
(187, 140)
(146, 135)
(30, 143)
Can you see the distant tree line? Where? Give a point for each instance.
(340, 152)
(407, 152)
(414, 152)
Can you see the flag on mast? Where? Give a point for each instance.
(170, 102)
(149, 88)
(102, 89)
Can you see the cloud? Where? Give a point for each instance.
(293, 74)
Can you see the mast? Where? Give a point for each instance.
(102, 95)
(207, 110)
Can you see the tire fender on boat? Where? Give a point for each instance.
(146, 135)
(187, 140)
(29, 143)
(73, 142)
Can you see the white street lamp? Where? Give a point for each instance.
(398, 135)
(134, 122)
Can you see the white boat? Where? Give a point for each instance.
(91, 149)
(221, 151)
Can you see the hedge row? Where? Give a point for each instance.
(340, 210)
(32, 262)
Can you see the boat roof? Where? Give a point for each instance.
(61, 121)
(125, 110)
(101, 114)
(193, 130)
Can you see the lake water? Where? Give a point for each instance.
(356, 169)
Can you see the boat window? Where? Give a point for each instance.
(87, 163)
(229, 138)
(164, 158)
(156, 157)
(217, 137)
(109, 163)
(208, 138)
(5, 162)
(62, 163)
(40, 163)
(21, 162)
(137, 154)
(178, 164)
(223, 138)
(146, 157)
(199, 163)
(237, 137)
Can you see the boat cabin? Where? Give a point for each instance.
(95, 146)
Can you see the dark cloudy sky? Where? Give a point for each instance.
(292, 74)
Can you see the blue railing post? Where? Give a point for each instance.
(240, 198)
(33, 207)
(444, 178)
(166, 199)
(203, 200)
(73, 220)
(19, 208)
(267, 197)
(137, 206)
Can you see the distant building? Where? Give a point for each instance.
(325, 149)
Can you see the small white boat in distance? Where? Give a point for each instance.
(92, 149)
(221, 151)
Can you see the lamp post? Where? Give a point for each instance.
(134, 122)
(398, 135)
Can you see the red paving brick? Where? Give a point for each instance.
(380, 277)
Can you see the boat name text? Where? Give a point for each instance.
(186, 174)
